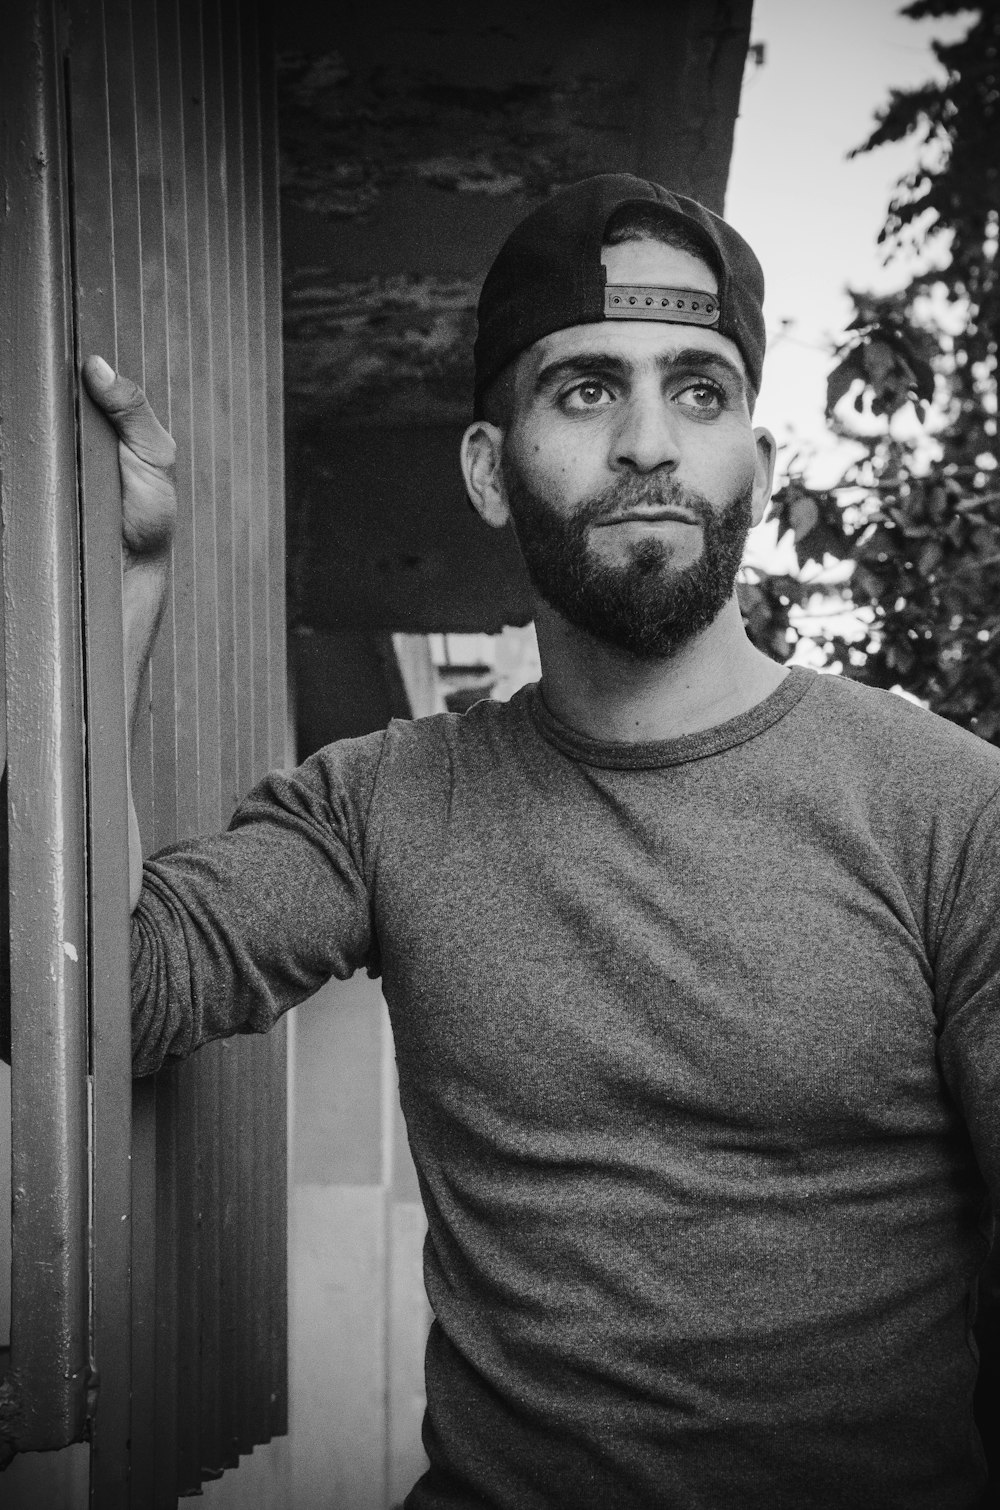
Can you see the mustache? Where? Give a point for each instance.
(632, 492)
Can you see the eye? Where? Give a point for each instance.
(590, 394)
(703, 396)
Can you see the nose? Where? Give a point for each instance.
(645, 439)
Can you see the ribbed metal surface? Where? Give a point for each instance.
(155, 227)
(215, 1357)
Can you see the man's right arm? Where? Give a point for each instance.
(232, 929)
(149, 512)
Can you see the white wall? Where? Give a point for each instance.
(358, 1316)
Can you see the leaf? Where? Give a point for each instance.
(803, 516)
(842, 379)
(929, 557)
(878, 361)
(888, 374)
(900, 656)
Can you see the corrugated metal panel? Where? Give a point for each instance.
(194, 1128)
(170, 195)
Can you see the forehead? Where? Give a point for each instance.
(632, 342)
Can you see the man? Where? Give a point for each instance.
(691, 959)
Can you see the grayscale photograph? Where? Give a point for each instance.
(499, 755)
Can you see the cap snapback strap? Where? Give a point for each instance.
(641, 301)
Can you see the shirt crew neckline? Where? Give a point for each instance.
(651, 754)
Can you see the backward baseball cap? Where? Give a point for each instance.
(548, 275)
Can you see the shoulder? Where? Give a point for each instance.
(898, 737)
(482, 736)
(424, 748)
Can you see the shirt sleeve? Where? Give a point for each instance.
(231, 931)
(967, 977)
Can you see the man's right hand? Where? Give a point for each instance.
(149, 513)
(145, 461)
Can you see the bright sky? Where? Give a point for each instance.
(812, 216)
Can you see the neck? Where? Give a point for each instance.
(608, 694)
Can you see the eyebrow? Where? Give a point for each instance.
(688, 358)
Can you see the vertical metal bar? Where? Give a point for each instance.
(157, 112)
(274, 390)
(96, 248)
(179, 1239)
(267, 1223)
(245, 1109)
(277, 755)
(236, 1128)
(175, 708)
(202, 358)
(195, 1152)
(278, 1256)
(224, 1299)
(171, 1236)
(219, 326)
(154, 1342)
(146, 1281)
(230, 29)
(180, 1429)
(256, 332)
(44, 1397)
(176, 719)
(139, 295)
(208, 1424)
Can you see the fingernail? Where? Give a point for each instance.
(103, 370)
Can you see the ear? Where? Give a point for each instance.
(763, 477)
(480, 457)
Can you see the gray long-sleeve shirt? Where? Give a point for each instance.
(699, 1050)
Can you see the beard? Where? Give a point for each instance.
(644, 605)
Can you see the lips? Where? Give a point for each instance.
(650, 516)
